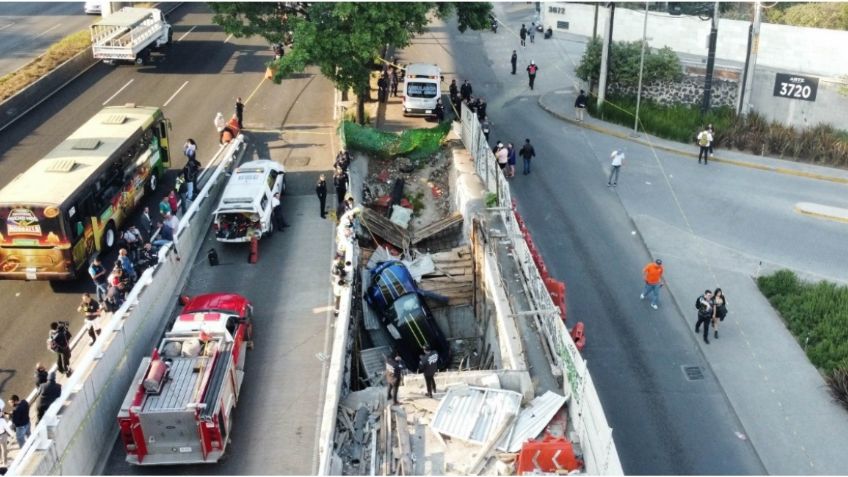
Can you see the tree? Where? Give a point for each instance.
(833, 16)
(660, 65)
(343, 39)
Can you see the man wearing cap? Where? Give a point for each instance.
(531, 73)
(653, 273)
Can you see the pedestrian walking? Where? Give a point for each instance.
(173, 202)
(393, 82)
(532, 69)
(527, 153)
(191, 171)
(6, 432)
(321, 191)
(240, 112)
(704, 141)
(481, 108)
(220, 123)
(91, 310)
(523, 34)
(580, 105)
(532, 32)
(705, 306)
(712, 137)
(454, 91)
(720, 310)
(486, 127)
(20, 419)
(652, 274)
(340, 184)
(394, 377)
(440, 110)
(59, 342)
(277, 213)
(465, 90)
(511, 159)
(49, 391)
(145, 223)
(428, 364)
(502, 156)
(513, 60)
(190, 149)
(616, 161)
(382, 88)
(98, 275)
(181, 188)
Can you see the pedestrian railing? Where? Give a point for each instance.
(586, 413)
(81, 425)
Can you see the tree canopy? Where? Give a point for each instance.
(833, 16)
(660, 65)
(343, 39)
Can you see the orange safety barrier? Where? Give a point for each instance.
(578, 336)
(547, 455)
(253, 254)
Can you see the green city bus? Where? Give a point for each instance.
(71, 204)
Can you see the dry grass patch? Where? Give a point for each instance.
(58, 53)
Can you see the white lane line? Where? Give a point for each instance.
(175, 94)
(6, 26)
(117, 92)
(48, 30)
(228, 38)
(186, 33)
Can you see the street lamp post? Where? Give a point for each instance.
(641, 68)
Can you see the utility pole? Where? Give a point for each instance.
(605, 56)
(641, 68)
(595, 25)
(708, 81)
(750, 63)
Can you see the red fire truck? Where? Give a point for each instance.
(179, 407)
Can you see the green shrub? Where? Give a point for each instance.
(815, 313)
(660, 65)
(415, 144)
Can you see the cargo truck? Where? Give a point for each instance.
(129, 35)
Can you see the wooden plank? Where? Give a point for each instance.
(479, 462)
(403, 442)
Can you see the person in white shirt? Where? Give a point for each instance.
(705, 139)
(616, 161)
(6, 432)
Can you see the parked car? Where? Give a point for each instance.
(246, 205)
(395, 297)
(94, 7)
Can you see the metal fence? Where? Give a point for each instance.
(585, 410)
(80, 425)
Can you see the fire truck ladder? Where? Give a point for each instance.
(219, 374)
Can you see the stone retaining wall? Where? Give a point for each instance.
(689, 90)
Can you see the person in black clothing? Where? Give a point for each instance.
(40, 375)
(321, 191)
(532, 69)
(20, 419)
(428, 364)
(580, 105)
(720, 310)
(527, 152)
(240, 112)
(394, 80)
(91, 310)
(440, 110)
(465, 90)
(48, 392)
(705, 306)
(454, 91)
(340, 184)
(481, 108)
(60, 343)
(277, 213)
(190, 173)
(523, 34)
(513, 60)
(383, 88)
(342, 160)
(394, 377)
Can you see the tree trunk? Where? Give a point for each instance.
(360, 106)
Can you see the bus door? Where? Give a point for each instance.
(81, 231)
(162, 133)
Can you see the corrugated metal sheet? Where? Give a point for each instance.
(532, 420)
(473, 414)
(374, 364)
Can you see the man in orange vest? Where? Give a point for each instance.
(653, 273)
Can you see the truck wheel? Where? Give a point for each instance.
(153, 182)
(139, 60)
(110, 236)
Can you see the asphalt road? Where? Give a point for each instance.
(202, 73)
(27, 29)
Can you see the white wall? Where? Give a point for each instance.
(790, 49)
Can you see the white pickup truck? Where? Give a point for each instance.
(129, 35)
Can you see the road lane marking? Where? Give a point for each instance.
(118, 92)
(254, 90)
(228, 38)
(186, 33)
(48, 30)
(6, 26)
(175, 94)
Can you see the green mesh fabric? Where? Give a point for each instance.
(412, 143)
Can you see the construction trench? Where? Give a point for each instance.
(504, 384)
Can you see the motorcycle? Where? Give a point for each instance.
(494, 24)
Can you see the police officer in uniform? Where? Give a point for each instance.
(705, 305)
(428, 364)
(394, 377)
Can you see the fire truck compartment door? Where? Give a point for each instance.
(172, 433)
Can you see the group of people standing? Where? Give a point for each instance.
(428, 363)
(387, 84)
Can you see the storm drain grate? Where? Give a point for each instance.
(693, 373)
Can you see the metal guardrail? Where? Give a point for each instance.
(79, 425)
(585, 409)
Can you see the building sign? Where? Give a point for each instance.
(796, 86)
(557, 10)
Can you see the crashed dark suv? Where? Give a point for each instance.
(395, 297)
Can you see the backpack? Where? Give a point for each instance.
(703, 139)
(60, 339)
(532, 69)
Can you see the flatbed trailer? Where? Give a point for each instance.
(129, 35)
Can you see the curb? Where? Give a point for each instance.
(822, 212)
(689, 154)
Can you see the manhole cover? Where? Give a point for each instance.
(693, 373)
(297, 161)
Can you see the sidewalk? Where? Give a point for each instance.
(780, 398)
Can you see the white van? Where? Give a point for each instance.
(422, 88)
(246, 206)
